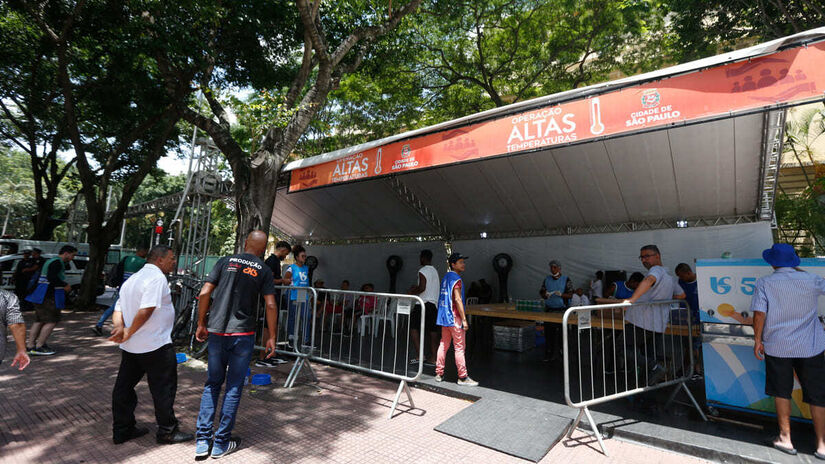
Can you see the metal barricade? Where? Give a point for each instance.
(370, 332)
(363, 331)
(293, 336)
(610, 358)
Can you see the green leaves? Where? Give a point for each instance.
(458, 57)
(258, 113)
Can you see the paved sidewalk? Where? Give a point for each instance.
(59, 411)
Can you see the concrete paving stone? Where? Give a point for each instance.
(58, 411)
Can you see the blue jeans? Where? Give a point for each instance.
(228, 360)
(302, 308)
(109, 311)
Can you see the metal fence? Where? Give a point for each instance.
(607, 357)
(364, 331)
(293, 336)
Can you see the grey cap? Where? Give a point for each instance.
(555, 263)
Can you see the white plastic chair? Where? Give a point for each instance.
(385, 314)
(366, 320)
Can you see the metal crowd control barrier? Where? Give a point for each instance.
(614, 359)
(348, 324)
(363, 331)
(294, 334)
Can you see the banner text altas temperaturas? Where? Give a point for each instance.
(790, 75)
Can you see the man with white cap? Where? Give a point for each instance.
(789, 337)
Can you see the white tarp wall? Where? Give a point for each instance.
(582, 255)
(365, 263)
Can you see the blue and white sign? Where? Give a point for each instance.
(734, 378)
(726, 287)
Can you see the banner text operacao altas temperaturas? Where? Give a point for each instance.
(787, 76)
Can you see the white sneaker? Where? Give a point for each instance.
(467, 382)
(439, 378)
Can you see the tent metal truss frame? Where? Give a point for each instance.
(673, 223)
(409, 198)
(203, 187)
(772, 140)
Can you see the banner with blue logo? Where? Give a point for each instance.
(726, 287)
(734, 378)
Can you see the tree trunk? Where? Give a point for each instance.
(255, 196)
(100, 239)
(43, 222)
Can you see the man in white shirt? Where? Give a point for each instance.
(645, 323)
(143, 320)
(427, 288)
(579, 298)
(596, 286)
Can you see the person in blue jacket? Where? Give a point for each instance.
(49, 298)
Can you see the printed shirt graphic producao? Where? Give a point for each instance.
(239, 282)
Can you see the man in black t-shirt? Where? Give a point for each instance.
(229, 298)
(282, 250)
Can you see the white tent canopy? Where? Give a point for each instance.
(708, 170)
(713, 170)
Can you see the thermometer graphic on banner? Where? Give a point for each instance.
(378, 162)
(596, 126)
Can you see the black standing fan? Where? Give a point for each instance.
(312, 263)
(502, 263)
(394, 264)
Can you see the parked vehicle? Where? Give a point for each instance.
(74, 271)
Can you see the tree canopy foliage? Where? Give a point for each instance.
(706, 28)
(454, 58)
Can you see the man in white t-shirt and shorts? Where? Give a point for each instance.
(646, 324)
(143, 320)
(427, 288)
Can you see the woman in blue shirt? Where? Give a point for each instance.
(298, 275)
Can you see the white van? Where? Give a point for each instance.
(12, 246)
(74, 270)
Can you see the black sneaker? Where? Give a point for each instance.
(43, 351)
(656, 375)
(231, 447)
(175, 437)
(98, 331)
(271, 362)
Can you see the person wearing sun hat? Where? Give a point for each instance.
(790, 338)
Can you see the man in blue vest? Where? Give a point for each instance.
(49, 297)
(453, 321)
(622, 290)
(555, 291)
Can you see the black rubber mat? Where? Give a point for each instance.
(525, 433)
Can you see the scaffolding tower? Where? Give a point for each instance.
(204, 185)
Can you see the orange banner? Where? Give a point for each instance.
(791, 75)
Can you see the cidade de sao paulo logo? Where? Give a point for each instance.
(407, 160)
(653, 111)
(549, 126)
